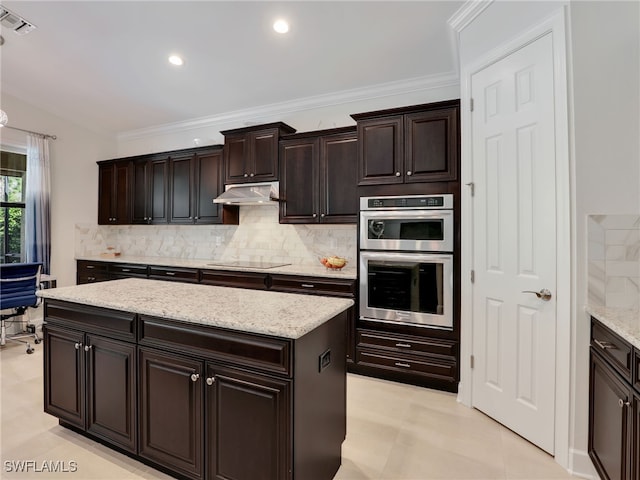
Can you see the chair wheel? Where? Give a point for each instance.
(29, 351)
(37, 341)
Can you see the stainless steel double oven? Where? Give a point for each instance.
(406, 259)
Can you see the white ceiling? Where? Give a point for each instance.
(104, 63)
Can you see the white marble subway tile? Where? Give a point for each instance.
(616, 268)
(622, 237)
(619, 222)
(614, 252)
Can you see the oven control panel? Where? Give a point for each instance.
(411, 201)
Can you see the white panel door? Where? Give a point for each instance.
(514, 237)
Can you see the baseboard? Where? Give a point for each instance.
(580, 465)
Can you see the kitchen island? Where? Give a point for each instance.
(201, 381)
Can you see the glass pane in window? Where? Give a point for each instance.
(11, 188)
(11, 223)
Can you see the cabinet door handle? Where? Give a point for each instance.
(397, 174)
(78, 345)
(210, 380)
(307, 285)
(604, 345)
(403, 345)
(195, 377)
(409, 173)
(87, 347)
(404, 365)
(171, 274)
(623, 404)
(91, 279)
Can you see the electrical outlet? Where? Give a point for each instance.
(325, 360)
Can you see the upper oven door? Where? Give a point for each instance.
(410, 230)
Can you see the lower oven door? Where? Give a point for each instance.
(408, 288)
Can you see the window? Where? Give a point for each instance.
(13, 168)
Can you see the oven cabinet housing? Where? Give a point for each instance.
(409, 145)
(114, 192)
(318, 173)
(251, 153)
(614, 405)
(90, 374)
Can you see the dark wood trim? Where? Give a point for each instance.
(279, 125)
(410, 109)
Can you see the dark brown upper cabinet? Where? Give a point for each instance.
(114, 192)
(150, 190)
(318, 177)
(409, 145)
(251, 153)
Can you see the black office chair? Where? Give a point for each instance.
(18, 285)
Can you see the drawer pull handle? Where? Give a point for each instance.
(403, 345)
(605, 345)
(126, 270)
(195, 377)
(171, 274)
(623, 404)
(400, 364)
(307, 285)
(210, 380)
(90, 266)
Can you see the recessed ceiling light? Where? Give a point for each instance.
(281, 26)
(176, 60)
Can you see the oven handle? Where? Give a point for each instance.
(408, 257)
(404, 214)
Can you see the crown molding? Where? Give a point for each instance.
(467, 13)
(276, 110)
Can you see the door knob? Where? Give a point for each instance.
(543, 294)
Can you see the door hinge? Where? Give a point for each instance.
(471, 360)
(473, 276)
(471, 104)
(472, 187)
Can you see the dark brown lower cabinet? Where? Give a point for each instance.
(90, 383)
(614, 406)
(247, 413)
(171, 411)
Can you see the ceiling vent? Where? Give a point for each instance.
(15, 22)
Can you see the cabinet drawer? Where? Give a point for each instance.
(113, 323)
(255, 351)
(123, 270)
(177, 274)
(613, 348)
(91, 277)
(313, 285)
(88, 267)
(256, 281)
(403, 344)
(431, 367)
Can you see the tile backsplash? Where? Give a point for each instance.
(259, 236)
(614, 260)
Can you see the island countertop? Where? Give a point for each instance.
(286, 315)
(623, 321)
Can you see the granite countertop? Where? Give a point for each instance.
(624, 322)
(286, 315)
(349, 272)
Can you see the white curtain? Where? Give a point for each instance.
(37, 215)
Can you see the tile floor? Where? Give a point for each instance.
(394, 431)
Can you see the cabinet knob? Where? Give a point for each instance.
(397, 174)
(252, 174)
(322, 215)
(78, 345)
(87, 347)
(196, 218)
(91, 279)
(622, 403)
(210, 380)
(195, 377)
(409, 173)
(246, 175)
(315, 215)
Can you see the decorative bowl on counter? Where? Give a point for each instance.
(333, 262)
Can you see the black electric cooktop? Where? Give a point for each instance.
(247, 264)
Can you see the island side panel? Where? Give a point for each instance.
(319, 404)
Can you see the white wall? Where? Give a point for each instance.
(74, 176)
(605, 43)
(604, 91)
